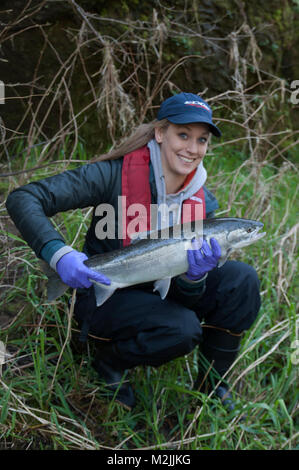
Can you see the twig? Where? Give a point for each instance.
(49, 325)
(68, 335)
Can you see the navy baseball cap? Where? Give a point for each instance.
(185, 108)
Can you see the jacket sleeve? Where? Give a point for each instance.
(187, 292)
(31, 205)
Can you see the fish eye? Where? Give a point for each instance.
(249, 230)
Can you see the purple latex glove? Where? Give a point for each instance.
(75, 273)
(202, 258)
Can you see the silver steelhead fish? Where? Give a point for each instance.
(160, 256)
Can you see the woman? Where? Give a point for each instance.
(162, 163)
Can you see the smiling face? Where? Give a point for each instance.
(183, 147)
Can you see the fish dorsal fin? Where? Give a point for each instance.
(162, 286)
(136, 240)
(138, 236)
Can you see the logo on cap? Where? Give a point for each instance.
(198, 104)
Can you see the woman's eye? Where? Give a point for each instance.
(184, 136)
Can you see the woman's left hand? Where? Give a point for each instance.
(202, 258)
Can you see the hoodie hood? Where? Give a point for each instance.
(167, 217)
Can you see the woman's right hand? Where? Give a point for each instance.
(202, 258)
(75, 273)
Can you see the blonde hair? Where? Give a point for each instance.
(139, 138)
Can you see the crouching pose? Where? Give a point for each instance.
(209, 306)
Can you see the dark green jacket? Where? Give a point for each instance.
(31, 205)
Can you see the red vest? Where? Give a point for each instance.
(136, 189)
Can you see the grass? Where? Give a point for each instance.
(49, 394)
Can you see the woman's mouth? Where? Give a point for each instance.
(185, 159)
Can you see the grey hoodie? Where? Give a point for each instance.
(175, 201)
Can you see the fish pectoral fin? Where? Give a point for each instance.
(102, 292)
(223, 259)
(162, 286)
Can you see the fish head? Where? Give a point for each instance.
(243, 232)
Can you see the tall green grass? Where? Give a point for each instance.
(49, 394)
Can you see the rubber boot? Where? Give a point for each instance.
(218, 351)
(112, 371)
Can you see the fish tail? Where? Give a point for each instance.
(55, 286)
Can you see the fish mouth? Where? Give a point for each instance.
(253, 236)
(256, 235)
(249, 237)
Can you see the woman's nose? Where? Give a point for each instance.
(192, 146)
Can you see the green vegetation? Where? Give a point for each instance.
(80, 75)
(49, 394)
